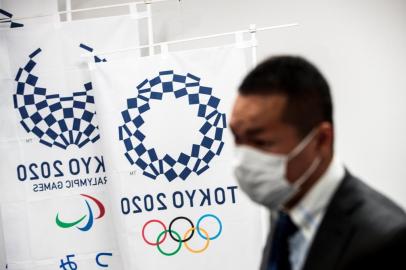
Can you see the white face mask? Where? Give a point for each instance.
(262, 176)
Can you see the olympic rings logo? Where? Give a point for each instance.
(201, 232)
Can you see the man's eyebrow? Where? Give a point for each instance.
(254, 131)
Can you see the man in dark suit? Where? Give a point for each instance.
(322, 217)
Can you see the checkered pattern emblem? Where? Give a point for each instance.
(54, 119)
(188, 88)
(5, 20)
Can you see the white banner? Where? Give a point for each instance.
(175, 201)
(55, 212)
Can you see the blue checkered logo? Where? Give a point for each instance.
(5, 19)
(188, 88)
(54, 119)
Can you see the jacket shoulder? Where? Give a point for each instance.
(376, 212)
(378, 227)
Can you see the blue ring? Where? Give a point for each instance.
(216, 218)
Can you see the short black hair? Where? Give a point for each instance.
(308, 93)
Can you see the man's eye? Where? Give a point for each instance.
(263, 143)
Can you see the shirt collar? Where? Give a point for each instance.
(307, 213)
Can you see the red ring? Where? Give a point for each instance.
(143, 232)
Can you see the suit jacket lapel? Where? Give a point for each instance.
(335, 230)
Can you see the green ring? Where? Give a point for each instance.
(176, 250)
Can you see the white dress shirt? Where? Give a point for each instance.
(309, 212)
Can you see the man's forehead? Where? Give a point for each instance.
(267, 108)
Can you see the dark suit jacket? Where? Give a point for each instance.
(361, 229)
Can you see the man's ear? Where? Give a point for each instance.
(325, 138)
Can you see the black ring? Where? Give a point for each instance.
(170, 229)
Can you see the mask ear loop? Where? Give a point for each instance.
(296, 186)
(315, 164)
(302, 145)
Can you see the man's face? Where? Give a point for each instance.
(257, 121)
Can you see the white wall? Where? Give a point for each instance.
(360, 45)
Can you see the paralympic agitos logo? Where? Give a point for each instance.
(90, 216)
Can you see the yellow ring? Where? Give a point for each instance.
(198, 250)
